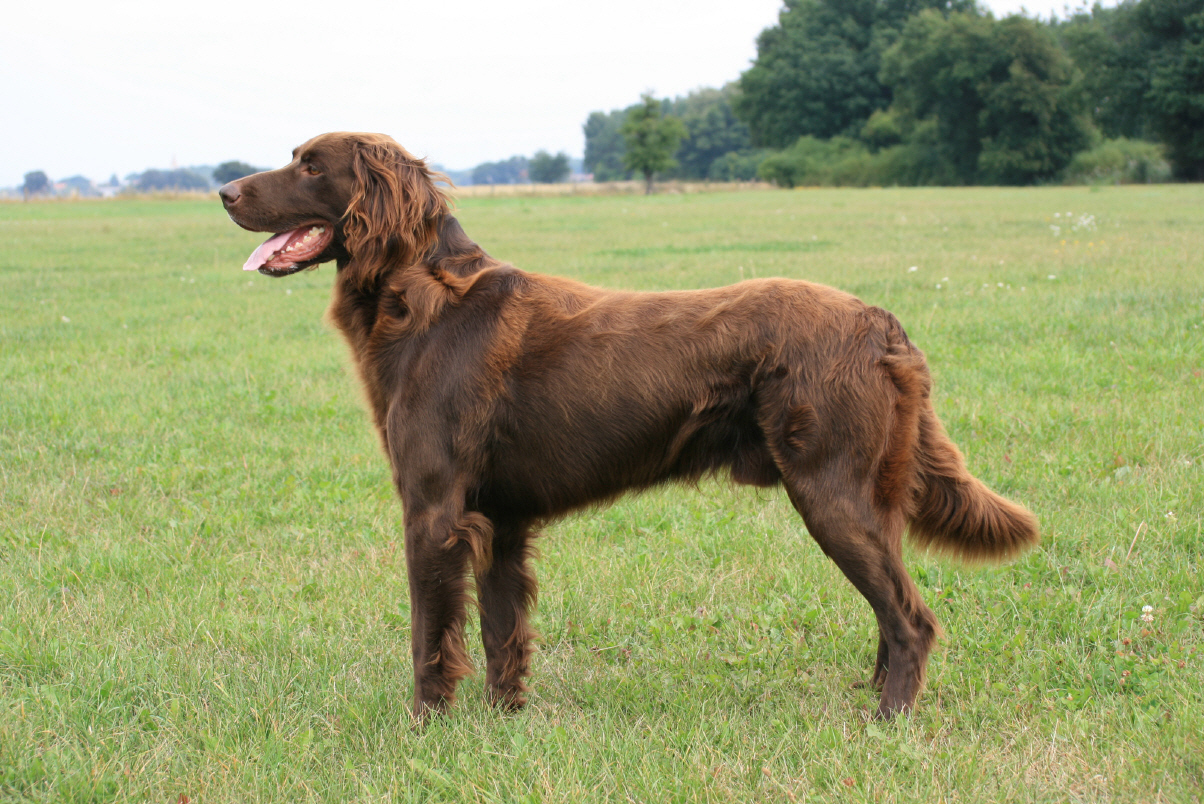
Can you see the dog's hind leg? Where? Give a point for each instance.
(506, 593)
(440, 542)
(865, 543)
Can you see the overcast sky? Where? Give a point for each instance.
(115, 87)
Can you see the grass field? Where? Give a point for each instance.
(202, 591)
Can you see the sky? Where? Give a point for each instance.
(118, 87)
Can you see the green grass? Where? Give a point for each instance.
(202, 590)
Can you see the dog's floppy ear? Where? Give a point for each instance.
(395, 208)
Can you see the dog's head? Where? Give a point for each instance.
(359, 199)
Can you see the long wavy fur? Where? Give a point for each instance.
(394, 214)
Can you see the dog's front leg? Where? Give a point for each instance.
(440, 541)
(506, 592)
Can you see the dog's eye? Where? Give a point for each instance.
(312, 169)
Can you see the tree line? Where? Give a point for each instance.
(542, 168)
(934, 92)
(153, 180)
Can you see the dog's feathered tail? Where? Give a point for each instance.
(955, 512)
(949, 510)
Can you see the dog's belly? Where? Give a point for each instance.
(568, 463)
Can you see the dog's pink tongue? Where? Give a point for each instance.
(265, 251)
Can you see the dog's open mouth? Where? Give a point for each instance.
(286, 253)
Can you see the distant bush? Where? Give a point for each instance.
(842, 161)
(816, 162)
(918, 161)
(509, 171)
(232, 171)
(1119, 161)
(180, 179)
(737, 165)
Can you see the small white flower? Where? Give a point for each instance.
(938, 285)
(1147, 614)
(1171, 515)
(1052, 276)
(944, 279)
(998, 284)
(1146, 609)
(66, 320)
(1057, 214)
(288, 292)
(913, 269)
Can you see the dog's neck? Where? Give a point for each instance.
(355, 310)
(454, 251)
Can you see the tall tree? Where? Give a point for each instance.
(1176, 93)
(816, 71)
(651, 137)
(1003, 95)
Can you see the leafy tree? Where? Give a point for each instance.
(1176, 94)
(651, 138)
(509, 171)
(36, 182)
(231, 171)
(548, 169)
(1112, 53)
(604, 145)
(817, 71)
(1003, 95)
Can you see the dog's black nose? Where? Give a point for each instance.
(229, 193)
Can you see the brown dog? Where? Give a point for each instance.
(505, 399)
